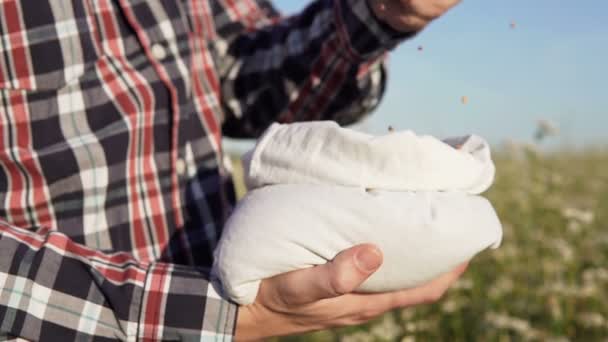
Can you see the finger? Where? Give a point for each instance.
(427, 293)
(342, 275)
(371, 305)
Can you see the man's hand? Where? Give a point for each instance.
(321, 297)
(410, 15)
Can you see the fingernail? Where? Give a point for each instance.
(368, 259)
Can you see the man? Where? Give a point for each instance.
(112, 178)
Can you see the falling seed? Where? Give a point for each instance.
(391, 129)
(368, 189)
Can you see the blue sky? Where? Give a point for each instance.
(553, 66)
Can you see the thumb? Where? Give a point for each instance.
(349, 269)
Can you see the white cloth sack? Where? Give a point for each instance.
(282, 228)
(309, 202)
(324, 153)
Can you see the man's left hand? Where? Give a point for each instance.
(410, 15)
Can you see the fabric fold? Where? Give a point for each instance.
(325, 153)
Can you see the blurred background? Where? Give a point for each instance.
(531, 77)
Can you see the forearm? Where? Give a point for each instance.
(323, 64)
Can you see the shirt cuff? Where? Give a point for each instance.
(181, 303)
(363, 36)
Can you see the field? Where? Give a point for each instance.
(549, 279)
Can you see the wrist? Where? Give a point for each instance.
(364, 37)
(245, 325)
(256, 322)
(253, 324)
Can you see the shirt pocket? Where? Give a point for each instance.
(44, 45)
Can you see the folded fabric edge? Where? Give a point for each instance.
(251, 159)
(242, 293)
(246, 293)
(488, 174)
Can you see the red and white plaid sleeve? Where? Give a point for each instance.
(53, 288)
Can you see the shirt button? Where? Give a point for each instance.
(159, 52)
(180, 167)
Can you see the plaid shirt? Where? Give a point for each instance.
(113, 186)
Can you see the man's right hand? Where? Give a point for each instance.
(322, 297)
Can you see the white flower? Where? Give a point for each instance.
(564, 249)
(583, 216)
(545, 128)
(503, 321)
(463, 284)
(420, 326)
(451, 305)
(591, 319)
(595, 275)
(555, 308)
(360, 336)
(588, 290)
(557, 339)
(574, 227)
(506, 252)
(407, 314)
(531, 148)
(387, 329)
(501, 287)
